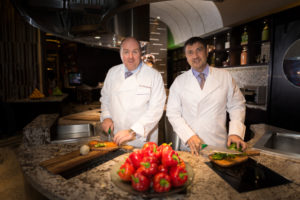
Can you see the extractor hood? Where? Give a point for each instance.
(94, 22)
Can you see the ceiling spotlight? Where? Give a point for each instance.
(97, 37)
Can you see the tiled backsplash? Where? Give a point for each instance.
(250, 75)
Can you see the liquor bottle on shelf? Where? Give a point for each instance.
(244, 56)
(244, 38)
(227, 47)
(227, 43)
(213, 57)
(265, 32)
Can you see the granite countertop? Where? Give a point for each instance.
(96, 183)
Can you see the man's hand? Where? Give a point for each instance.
(123, 136)
(236, 139)
(106, 124)
(195, 144)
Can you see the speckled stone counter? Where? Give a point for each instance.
(96, 183)
(38, 131)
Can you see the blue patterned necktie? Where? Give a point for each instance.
(201, 75)
(127, 74)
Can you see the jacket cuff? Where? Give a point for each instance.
(104, 116)
(237, 128)
(139, 130)
(187, 134)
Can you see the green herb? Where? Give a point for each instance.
(234, 147)
(222, 156)
(100, 145)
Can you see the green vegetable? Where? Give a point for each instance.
(233, 147)
(100, 145)
(221, 156)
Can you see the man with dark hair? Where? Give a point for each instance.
(198, 101)
(132, 98)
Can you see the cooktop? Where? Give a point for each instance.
(249, 176)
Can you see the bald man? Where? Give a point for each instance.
(133, 98)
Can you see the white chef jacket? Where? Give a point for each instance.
(135, 103)
(191, 110)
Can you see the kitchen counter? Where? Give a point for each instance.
(96, 183)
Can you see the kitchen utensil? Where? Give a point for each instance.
(65, 162)
(207, 150)
(109, 135)
(126, 186)
(228, 162)
(236, 157)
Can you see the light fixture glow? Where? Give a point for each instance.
(97, 37)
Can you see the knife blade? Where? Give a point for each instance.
(206, 150)
(210, 149)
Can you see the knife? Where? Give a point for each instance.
(206, 150)
(209, 149)
(109, 135)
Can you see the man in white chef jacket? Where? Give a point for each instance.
(198, 101)
(132, 98)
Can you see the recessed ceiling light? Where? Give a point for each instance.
(97, 37)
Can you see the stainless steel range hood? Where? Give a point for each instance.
(94, 22)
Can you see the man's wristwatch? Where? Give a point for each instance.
(131, 132)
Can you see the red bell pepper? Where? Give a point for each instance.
(151, 159)
(169, 158)
(181, 163)
(162, 168)
(136, 158)
(149, 144)
(140, 182)
(178, 176)
(161, 182)
(153, 151)
(165, 146)
(125, 172)
(148, 169)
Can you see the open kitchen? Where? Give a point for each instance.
(150, 99)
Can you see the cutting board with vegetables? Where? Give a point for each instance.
(228, 160)
(65, 162)
(96, 145)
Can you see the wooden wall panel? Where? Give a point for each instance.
(18, 55)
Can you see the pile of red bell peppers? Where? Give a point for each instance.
(154, 166)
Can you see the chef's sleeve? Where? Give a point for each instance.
(105, 97)
(236, 109)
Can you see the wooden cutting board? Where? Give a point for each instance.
(83, 117)
(65, 162)
(228, 162)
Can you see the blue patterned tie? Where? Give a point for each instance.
(201, 75)
(127, 74)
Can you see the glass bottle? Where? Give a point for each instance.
(227, 43)
(213, 57)
(244, 39)
(244, 56)
(265, 32)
